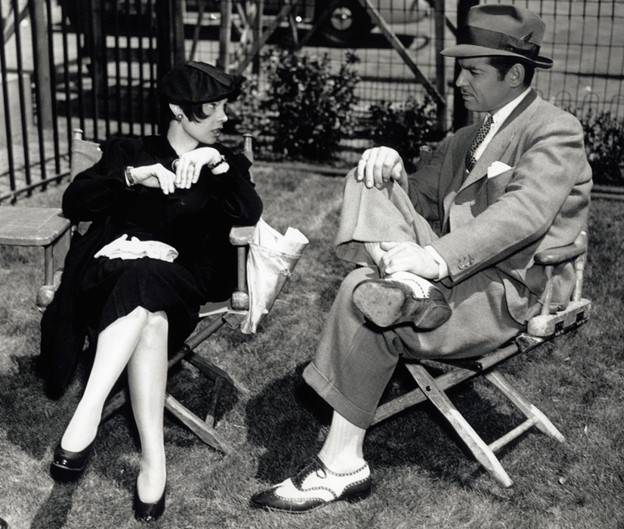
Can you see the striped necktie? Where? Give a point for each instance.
(478, 140)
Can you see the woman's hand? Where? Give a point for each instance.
(379, 165)
(154, 176)
(189, 166)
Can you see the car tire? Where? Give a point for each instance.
(347, 22)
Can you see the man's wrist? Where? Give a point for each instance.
(442, 266)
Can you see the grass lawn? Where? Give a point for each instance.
(422, 476)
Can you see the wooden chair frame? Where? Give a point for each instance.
(542, 328)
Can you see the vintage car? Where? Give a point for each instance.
(341, 21)
(348, 19)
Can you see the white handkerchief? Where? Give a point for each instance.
(497, 168)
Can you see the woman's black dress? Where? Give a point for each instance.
(196, 222)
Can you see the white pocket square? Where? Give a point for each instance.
(497, 168)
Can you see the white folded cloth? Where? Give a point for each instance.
(126, 247)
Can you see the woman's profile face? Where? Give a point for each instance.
(208, 130)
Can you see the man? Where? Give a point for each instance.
(497, 192)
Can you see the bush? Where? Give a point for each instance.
(405, 127)
(312, 106)
(604, 144)
(250, 112)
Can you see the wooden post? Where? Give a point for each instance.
(460, 113)
(41, 53)
(400, 49)
(170, 38)
(99, 61)
(257, 35)
(440, 74)
(225, 34)
(178, 32)
(262, 39)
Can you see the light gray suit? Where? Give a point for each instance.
(487, 229)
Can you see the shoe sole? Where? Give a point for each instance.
(65, 474)
(355, 497)
(387, 303)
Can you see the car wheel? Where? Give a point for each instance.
(347, 21)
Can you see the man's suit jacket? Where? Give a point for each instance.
(501, 221)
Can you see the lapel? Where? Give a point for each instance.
(501, 140)
(458, 168)
(495, 150)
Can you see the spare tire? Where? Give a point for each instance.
(347, 22)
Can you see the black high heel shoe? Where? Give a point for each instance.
(69, 466)
(148, 512)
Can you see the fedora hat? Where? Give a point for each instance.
(503, 30)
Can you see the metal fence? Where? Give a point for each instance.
(93, 64)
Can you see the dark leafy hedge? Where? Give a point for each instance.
(404, 127)
(604, 143)
(304, 107)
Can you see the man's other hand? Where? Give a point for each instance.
(407, 257)
(379, 165)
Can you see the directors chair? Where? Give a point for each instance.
(84, 154)
(542, 328)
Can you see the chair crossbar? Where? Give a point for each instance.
(210, 369)
(417, 395)
(204, 431)
(513, 434)
(433, 389)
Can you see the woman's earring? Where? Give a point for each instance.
(179, 116)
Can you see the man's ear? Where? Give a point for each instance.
(515, 75)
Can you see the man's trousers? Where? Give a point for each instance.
(355, 359)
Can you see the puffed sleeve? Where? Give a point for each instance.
(97, 190)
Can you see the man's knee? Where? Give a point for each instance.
(355, 277)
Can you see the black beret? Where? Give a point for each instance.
(196, 83)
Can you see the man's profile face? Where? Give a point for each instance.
(480, 86)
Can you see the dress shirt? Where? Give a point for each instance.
(498, 118)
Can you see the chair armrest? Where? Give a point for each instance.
(555, 256)
(241, 235)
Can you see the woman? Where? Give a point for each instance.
(161, 209)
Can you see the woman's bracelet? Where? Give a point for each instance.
(128, 174)
(216, 163)
(211, 166)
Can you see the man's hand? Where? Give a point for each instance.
(154, 176)
(380, 165)
(407, 257)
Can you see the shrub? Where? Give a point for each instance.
(404, 127)
(604, 143)
(313, 107)
(250, 112)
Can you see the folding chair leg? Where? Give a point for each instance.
(214, 399)
(476, 445)
(200, 428)
(530, 411)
